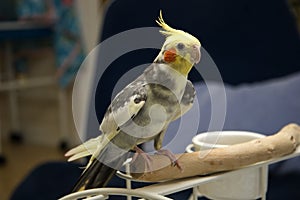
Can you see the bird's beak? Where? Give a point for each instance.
(196, 54)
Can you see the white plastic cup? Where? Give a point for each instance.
(247, 184)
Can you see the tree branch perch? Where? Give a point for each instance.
(223, 159)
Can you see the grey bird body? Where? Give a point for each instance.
(166, 95)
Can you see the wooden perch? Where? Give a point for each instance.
(222, 159)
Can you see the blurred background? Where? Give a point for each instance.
(42, 45)
(254, 43)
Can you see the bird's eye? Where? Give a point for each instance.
(180, 46)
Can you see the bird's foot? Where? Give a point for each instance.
(147, 158)
(172, 157)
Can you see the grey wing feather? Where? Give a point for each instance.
(187, 100)
(122, 110)
(125, 106)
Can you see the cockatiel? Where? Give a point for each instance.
(143, 110)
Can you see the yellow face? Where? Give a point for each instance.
(181, 56)
(181, 50)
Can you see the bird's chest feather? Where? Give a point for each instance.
(162, 102)
(165, 83)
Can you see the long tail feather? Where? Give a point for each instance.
(83, 150)
(106, 159)
(97, 174)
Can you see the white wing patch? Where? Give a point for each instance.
(124, 107)
(123, 114)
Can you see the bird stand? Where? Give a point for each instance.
(246, 184)
(237, 171)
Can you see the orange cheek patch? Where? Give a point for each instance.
(170, 55)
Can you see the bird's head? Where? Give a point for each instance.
(181, 50)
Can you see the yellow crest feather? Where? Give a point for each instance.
(169, 31)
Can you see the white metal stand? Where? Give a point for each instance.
(159, 190)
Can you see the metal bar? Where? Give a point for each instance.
(63, 114)
(21, 25)
(14, 111)
(114, 191)
(30, 83)
(1, 151)
(128, 181)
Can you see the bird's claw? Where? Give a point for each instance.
(176, 164)
(169, 154)
(147, 158)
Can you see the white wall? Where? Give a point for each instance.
(90, 17)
